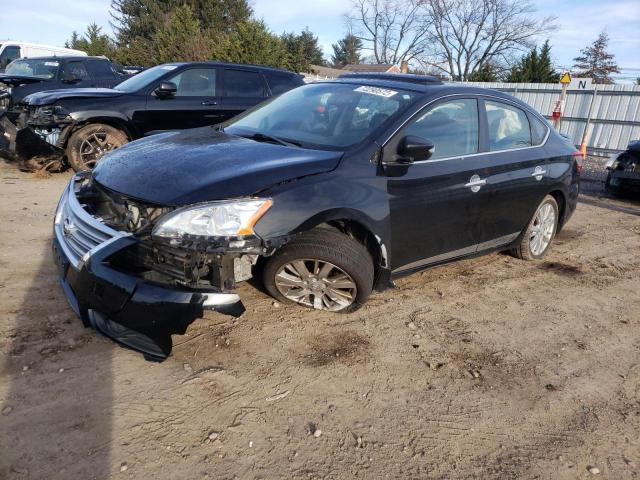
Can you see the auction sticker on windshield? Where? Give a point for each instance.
(381, 92)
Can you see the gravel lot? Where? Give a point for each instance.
(482, 369)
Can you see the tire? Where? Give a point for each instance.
(88, 144)
(524, 250)
(319, 250)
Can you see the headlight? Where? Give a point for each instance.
(217, 219)
(50, 113)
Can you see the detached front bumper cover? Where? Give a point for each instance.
(133, 312)
(24, 143)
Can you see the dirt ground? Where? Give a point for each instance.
(490, 368)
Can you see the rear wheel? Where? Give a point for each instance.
(322, 269)
(88, 144)
(541, 231)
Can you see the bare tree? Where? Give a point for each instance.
(468, 34)
(392, 30)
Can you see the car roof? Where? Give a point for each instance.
(428, 87)
(63, 57)
(230, 64)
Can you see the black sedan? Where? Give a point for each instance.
(328, 192)
(85, 123)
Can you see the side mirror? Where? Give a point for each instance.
(68, 77)
(166, 90)
(413, 149)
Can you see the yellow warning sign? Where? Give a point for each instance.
(565, 78)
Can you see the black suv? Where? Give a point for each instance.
(29, 75)
(85, 123)
(327, 192)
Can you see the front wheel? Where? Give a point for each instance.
(541, 231)
(88, 144)
(322, 269)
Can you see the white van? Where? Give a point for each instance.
(10, 50)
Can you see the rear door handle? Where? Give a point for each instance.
(475, 182)
(538, 173)
(209, 102)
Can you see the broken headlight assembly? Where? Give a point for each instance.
(233, 218)
(49, 114)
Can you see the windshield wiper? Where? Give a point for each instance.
(263, 137)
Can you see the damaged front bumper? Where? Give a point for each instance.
(24, 143)
(138, 314)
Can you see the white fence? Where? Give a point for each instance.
(615, 117)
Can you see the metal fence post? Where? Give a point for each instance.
(585, 133)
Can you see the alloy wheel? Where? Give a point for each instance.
(542, 230)
(95, 146)
(316, 283)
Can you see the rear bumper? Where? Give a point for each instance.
(133, 312)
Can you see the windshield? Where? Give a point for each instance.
(46, 69)
(144, 78)
(324, 115)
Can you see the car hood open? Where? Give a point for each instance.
(50, 96)
(199, 165)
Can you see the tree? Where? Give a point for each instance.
(469, 33)
(534, 67)
(252, 42)
(485, 73)
(303, 50)
(180, 38)
(596, 62)
(346, 51)
(136, 20)
(94, 42)
(392, 30)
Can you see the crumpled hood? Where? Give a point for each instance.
(199, 165)
(50, 96)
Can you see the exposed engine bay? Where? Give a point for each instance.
(220, 262)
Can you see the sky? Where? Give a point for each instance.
(578, 23)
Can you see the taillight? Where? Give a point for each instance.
(579, 156)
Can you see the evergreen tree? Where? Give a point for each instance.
(94, 42)
(252, 42)
(596, 62)
(140, 19)
(486, 73)
(180, 38)
(303, 50)
(346, 51)
(534, 67)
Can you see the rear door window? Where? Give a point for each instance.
(538, 130)
(196, 82)
(243, 83)
(77, 69)
(279, 83)
(452, 126)
(508, 127)
(101, 68)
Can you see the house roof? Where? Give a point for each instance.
(371, 67)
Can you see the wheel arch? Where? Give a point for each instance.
(561, 199)
(118, 122)
(362, 229)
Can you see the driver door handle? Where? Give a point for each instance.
(209, 102)
(475, 182)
